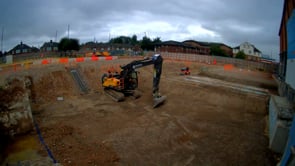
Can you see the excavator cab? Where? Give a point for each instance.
(132, 81)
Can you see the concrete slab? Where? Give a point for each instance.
(280, 119)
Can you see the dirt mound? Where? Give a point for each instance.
(54, 84)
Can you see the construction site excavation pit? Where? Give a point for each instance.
(211, 117)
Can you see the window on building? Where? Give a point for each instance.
(17, 51)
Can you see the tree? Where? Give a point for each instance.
(157, 40)
(217, 51)
(241, 55)
(121, 40)
(67, 44)
(146, 44)
(134, 40)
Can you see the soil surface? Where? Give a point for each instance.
(199, 124)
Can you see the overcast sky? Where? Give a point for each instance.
(228, 21)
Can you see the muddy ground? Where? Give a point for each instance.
(199, 124)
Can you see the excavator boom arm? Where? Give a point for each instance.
(155, 60)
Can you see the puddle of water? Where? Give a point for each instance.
(22, 148)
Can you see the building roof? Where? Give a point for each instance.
(204, 44)
(50, 44)
(89, 44)
(35, 49)
(174, 43)
(220, 44)
(20, 47)
(255, 49)
(170, 42)
(207, 44)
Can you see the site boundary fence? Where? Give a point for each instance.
(252, 65)
(228, 63)
(26, 64)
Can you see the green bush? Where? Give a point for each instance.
(241, 55)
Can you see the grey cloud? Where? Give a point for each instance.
(33, 21)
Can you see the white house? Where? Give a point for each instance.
(250, 50)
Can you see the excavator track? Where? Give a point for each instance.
(115, 95)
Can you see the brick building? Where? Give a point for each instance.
(202, 47)
(175, 47)
(113, 49)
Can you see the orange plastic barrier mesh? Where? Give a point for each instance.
(80, 59)
(228, 67)
(44, 62)
(64, 60)
(94, 58)
(108, 58)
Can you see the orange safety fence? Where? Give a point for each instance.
(64, 60)
(45, 61)
(228, 67)
(109, 58)
(94, 58)
(81, 59)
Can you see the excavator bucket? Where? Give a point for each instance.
(158, 101)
